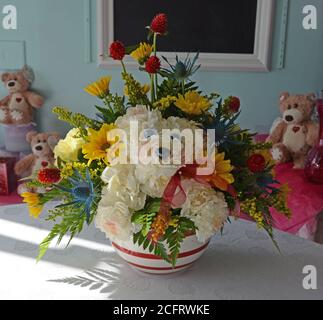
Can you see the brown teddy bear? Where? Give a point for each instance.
(17, 107)
(294, 134)
(42, 156)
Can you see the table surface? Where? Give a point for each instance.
(240, 264)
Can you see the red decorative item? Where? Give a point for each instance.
(234, 104)
(159, 24)
(314, 163)
(8, 180)
(256, 163)
(49, 175)
(117, 50)
(152, 65)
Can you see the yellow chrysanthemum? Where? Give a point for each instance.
(98, 144)
(142, 53)
(165, 102)
(193, 103)
(144, 89)
(33, 202)
(221, 177)
(99, 88)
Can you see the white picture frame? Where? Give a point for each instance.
(259, 61)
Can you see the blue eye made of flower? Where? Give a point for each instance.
(148, 133)
(175, 136)
(163, 153)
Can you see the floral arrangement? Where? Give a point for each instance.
(157, 203)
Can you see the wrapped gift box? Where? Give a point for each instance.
(8, 179)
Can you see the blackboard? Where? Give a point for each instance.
(208, 26)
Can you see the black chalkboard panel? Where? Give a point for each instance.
(208, 26)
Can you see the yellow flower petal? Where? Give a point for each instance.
(99, 88)
(222, 177)
(98, 144)
(193, 103)
(33, 202)
(142, 53)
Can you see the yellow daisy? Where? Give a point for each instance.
(144, 90)
(221, 177)
(33, 202)
(142, 53)
(99, 88)
(193, 103)
(98, 144)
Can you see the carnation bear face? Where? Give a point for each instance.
(17, 107)
(295, 133)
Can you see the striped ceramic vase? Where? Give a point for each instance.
(142, 260)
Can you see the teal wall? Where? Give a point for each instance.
(54, 33)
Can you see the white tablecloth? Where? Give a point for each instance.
(240, 264)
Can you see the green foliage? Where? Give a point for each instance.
(168, 247)
(76, 120)
(157, 248)
(71, 224)
(172, 87)
(175, 236)
(136, 95)
(146, 216)
(114, 108)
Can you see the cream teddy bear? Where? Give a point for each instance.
(42, 156)
(294, 134)
(17, 107)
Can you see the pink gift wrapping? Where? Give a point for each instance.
(305, 200)
(8, 180)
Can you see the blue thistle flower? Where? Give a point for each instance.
(181, 70)
(82, 191)
(225, 130)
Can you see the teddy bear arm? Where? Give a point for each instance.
(5, 101)
(25, 165)
(34, 99)
(276, 135)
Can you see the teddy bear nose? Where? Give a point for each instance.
(289, 118)
(39, 148)
(11, 84)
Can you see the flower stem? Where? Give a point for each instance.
(152, 89)
(123, 67)
(155, 54)
(183, 87)
(155, 44)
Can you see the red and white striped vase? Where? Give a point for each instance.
(142, 260)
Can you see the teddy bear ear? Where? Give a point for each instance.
(28, 73)
(284, 96)
(4, 77)
(311, 96)
(30, 136)
(53, 139)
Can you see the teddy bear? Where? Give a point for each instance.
(295, 133)
(42, 156)
(17, 107)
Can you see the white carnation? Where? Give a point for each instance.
(114, 221)
(180, 123)
(207, 208)
(154, 179)
(146, 119)
(122, 186)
